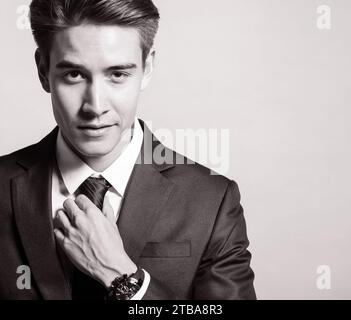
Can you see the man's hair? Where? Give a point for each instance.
(48, 17)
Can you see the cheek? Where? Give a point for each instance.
(66, 103)
(127, 111)
(125, 100)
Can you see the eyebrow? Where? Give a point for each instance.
(70, 65)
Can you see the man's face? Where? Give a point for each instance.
(95, 78)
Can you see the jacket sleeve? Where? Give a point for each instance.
(224, 271)
(157, 291)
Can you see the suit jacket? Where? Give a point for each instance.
(177, 221)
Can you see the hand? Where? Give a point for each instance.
(91, 240)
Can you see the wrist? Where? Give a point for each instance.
(109, 274)
(126, 287)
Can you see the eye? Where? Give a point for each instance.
(73, 76)
(118, 76)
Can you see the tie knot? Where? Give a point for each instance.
(95, 189)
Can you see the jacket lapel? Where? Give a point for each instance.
(146, 195)
(31, 192)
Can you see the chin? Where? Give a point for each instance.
(96, 149)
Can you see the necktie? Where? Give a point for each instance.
(95, 189)
(83, 286)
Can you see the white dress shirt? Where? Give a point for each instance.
(71, 172)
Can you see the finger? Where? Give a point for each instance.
(84, 203)
(63, 223)
(71, 209)
(60, 237)
(64, 242)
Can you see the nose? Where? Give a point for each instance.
(94, 102)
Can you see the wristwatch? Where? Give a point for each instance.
(125, 287)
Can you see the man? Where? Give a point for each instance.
(90, 209)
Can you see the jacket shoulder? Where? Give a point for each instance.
(199, 178)
(9, 163)
(26, 157)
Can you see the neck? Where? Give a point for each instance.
(101, 162)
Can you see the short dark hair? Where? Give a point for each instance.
(48, 17)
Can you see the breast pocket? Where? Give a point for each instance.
(167, 249)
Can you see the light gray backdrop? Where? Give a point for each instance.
(264, 70)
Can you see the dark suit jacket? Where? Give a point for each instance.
(180, 223)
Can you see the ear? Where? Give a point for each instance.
(42, 71)
(148, 69)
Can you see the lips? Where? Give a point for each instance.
(95, 127)
(94, 131)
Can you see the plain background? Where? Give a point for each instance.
(262, 69)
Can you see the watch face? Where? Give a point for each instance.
(123, 289)
(134, 281)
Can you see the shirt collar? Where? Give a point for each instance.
(74, 171)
